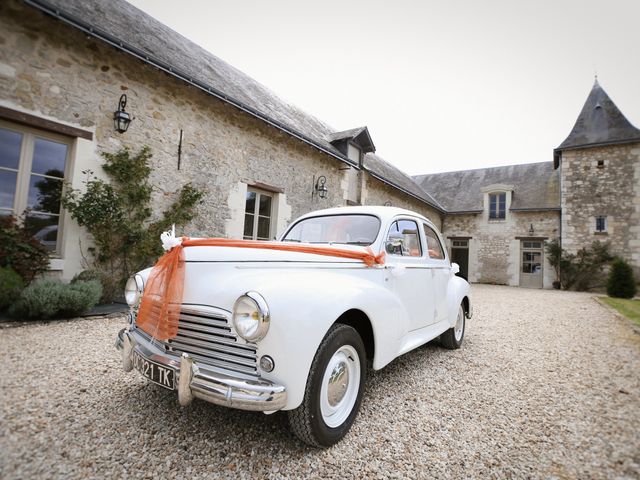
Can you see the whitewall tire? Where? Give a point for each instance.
(334, 389)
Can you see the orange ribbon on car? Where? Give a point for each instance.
(162, 298)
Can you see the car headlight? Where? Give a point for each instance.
(133, 290)
(251, 317)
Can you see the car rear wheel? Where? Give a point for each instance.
(452, 338)
(334, 389)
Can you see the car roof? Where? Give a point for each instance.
(385, 213)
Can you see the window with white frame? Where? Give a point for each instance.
(32, 171)
(601, 224)
(258, 215)
(353, 153)
(497, 206)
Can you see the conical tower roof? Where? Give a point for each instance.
(600, 123)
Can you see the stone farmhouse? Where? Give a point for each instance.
(69, 69)
(497, 219)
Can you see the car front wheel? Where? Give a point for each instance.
(334, 389)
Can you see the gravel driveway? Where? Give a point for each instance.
(546, 385)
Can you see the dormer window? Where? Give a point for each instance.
(497, 206)
(353, 144)
(353, 153)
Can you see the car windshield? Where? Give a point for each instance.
(343, 229)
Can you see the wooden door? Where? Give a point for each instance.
(460, 255)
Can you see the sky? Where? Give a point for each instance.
(442, 85)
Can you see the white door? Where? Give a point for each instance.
(411, 278)
(440, 271)
(531, 264)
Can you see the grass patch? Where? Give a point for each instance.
(628, 308)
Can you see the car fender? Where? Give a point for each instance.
(303, 305)
(457, 289)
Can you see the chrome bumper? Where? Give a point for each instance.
(197, 380)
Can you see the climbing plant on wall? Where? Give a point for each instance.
(119, 216)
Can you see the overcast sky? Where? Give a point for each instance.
(442, 85)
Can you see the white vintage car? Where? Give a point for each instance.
(271, 330)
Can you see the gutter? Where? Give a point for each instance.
(465, 212)
(174, 72)
(557, 152)
(598, 144)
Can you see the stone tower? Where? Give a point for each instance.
(600, 180)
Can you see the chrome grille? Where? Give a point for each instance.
(208, 338)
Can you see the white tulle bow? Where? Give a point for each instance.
(169, 239)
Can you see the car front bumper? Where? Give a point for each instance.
(197, 380)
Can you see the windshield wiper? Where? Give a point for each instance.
(291, 240)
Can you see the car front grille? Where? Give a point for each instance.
(209, 339)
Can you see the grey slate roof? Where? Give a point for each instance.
(536, 186)
(600, 123)
(351, 133)
(359, 135)
(125, 27)
(387, 173)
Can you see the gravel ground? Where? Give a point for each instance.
(545, 386)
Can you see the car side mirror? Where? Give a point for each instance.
(395, 243)
(455, 268)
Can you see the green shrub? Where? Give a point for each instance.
(95, 275)
(20, 251)
(119, 216)
(621, 283)
(86, 275)
(11, 285)
(583, 270)
(53, 299)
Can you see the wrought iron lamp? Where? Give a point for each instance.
(121, 118)
(320, 187)
(531, 230)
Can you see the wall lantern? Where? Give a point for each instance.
(531, 230)
(320, 187)
(121, 119)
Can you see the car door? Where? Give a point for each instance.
(410, 278)
(440, 268)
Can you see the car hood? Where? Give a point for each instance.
(238, 254)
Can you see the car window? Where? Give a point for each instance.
(434, 248)
(407, 232)
(342, 229)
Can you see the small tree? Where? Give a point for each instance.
(20, 251)
(554, 256)
(621, 282)
(119, 217)
(580, 271)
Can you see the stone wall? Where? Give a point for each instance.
(56, 72)
(611, 190)
(494, 245)
(375, 192)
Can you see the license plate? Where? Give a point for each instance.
(163, 376)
